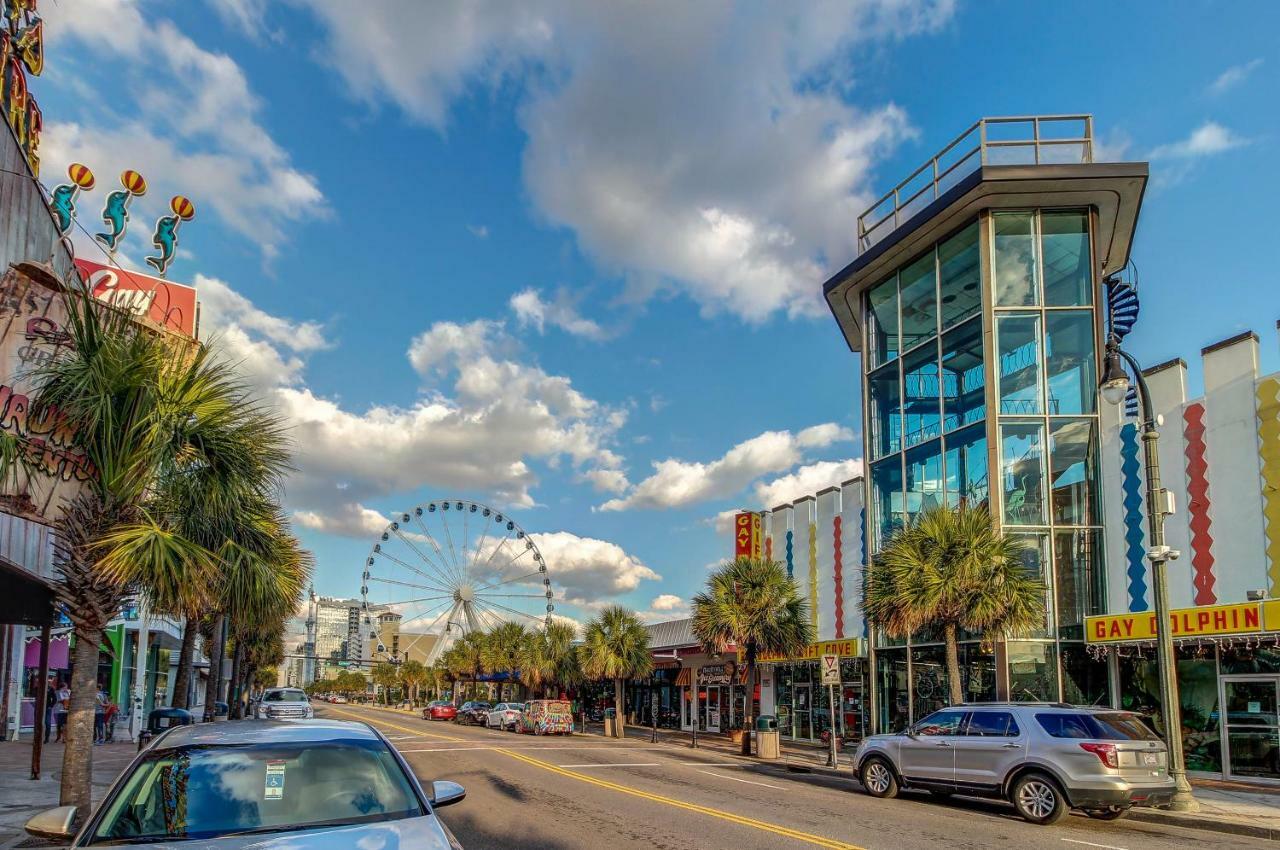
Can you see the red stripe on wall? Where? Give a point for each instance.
(1198, 506)
(839, 580)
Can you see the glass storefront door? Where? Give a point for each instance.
(713, 708)
(1251, 706)
(802, 712)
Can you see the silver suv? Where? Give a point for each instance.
(1045, 758)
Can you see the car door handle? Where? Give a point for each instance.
(1012, 746)
(943, 744)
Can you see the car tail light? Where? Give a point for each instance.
(1106, 753)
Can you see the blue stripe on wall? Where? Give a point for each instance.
(790, 551)
(1135, 551)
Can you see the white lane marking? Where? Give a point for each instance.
(736, 779)
(517, 747)
(1091, 844)
(708, 764)
(627, 764)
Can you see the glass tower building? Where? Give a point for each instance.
(975, 304)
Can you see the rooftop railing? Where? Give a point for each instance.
(1014, 140)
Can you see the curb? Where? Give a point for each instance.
(1158, 816)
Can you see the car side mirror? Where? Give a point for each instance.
(910, 732)
(445, 793)
(53, 823)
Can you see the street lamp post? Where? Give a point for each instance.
(1114, 386)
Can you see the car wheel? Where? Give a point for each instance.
(878, 779)
(1106, 814)
(1038, 799)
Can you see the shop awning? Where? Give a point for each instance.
(684, 678)
(27, 598)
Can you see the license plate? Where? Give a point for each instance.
(1150, 758)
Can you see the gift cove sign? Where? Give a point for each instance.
(1205, 621)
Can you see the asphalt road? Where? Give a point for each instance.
(589, 792)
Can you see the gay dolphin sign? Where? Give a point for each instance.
(168, 304)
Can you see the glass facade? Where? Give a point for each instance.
(1010, 321)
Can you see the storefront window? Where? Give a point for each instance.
(1068, 276)
(929, 687)
(1140, 687)
(959, 265)
(1022, 472)
(924, 478)
(1035, 559)
(886, 493)
(891, 681)
(1018, 338)
(966, 467)
(1198, 695)
(1264, 660)
(1073, 463)
(882, 321)
(963, 391)
(919, 302)
(921, 405)
(1015, 259)
(1069, 367)
(1033, 671)
(1080, 580)
(977, 673)
(885, 397)
(1084, 678)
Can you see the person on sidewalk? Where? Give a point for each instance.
(60, 712)
(100, 701)
(50, 702)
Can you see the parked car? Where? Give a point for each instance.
(547, 717)
(284, 704)
(504, 715)
(440, 710)
(339, 700)
(313, 784)
(1043, 758)
(473, 711)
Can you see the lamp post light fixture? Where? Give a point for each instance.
(1114, 386)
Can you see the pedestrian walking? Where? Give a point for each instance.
(100, 701)
(50, 702)
(60, 711)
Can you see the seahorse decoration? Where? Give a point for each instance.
(115, 213)
(166, 236)
(62, 202)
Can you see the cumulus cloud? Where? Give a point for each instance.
(199, 132)
(806, 481)
(585, 572)
(678, 483)
(1234, 76)
(532, 310)
(710, 149)
(1207, 139)
(349, 520)
(665, 606)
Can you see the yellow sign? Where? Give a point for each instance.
(1205, 621)
(846, 648)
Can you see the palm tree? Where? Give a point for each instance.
(550, 658)
(752, 605)
(387, 675)
(616, 646)
(953, 569)
(465, 659)
(506, 648)
(413, 673)
(143, 409)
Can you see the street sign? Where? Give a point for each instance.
(830, 669)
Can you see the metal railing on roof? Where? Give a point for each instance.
(1011, 140)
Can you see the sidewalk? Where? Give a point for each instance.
(21, 797)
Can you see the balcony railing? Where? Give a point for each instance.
(1015, 140)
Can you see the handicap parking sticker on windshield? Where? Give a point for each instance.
(274, 789)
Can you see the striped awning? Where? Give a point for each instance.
(684, 678)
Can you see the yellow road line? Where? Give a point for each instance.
(396, 725)
(691, 807)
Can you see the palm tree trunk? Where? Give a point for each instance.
(619, 709)
(215, 650)
(953, 665)
(181, 679)
(237, 660)
(77, 755)
(748, 698)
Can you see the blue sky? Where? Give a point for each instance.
(566, 260)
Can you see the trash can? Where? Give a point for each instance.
(767, 744)
(163, 718)
(610, 723)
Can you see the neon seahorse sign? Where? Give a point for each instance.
(166, 236)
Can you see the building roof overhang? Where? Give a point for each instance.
(1114, 189)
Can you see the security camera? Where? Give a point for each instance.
(1163, 553)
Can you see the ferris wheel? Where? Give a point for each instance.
(450, 567)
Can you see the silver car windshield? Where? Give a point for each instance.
(284, 696)
(204, 792)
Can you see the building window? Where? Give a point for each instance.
(1068, 269)
(882, 321)
(1015, 259)
(1073, 465)
(924, 478)
(1079, 580)
(1084, 678)
(929, 684)
(921, 408)
(1035, 560)
(966, 465)
(963, 381)
(1033, 671)
(959, 287)
(1018, 336)
(885, 398)
(1069, 362)
(886, 496)
(918, 292)
(1022, 471)
(892, 687)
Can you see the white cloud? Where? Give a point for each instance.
(479, 231)
(664, 607)
(532, 310)
(195, 128)
(667, 602)
(585, 571)
(1234, 76)
(349, 520)
(1207, 139)
(677, 483)
(709, 150)
(805, 481)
